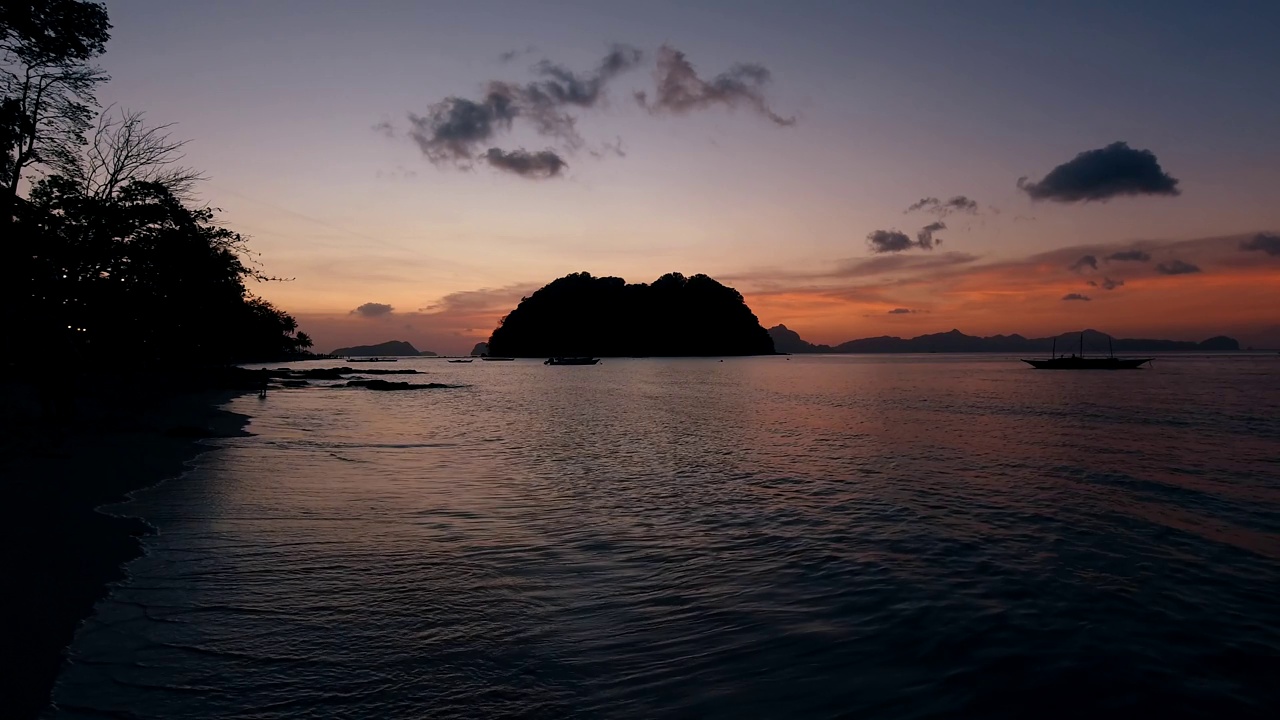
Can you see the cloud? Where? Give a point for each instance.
(510, 55)
(1129, 256)
(901, 311)
(373, 310)
(925, 238)
(1177, 267)
(540, 164)
(1085, 261)
(1076, 296)
(1268, 243)
(456, 129)
(680, 90)
(453, 128)
(958, 203)
(1106, 284)
(889, 241)
(1113, 171)
(899, 264)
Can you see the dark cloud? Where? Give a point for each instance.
(889, 241)
(680, 90)
(1176, 267)
(455, 130)
(1076, 296)
(454, 127)
(1102, 174)
(510, 55)
(371, 310)
(1268, 243)
(942, 208)
(1085, 261)
(543, 101)
(901, 311)
(925, 238)
(1130, 256)
(540, 164)
(1109, 284)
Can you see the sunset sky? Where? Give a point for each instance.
(772, 141)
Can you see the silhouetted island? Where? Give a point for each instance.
(391, 348)
(581, 315)
(787, 340)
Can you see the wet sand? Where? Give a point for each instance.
(61, 553)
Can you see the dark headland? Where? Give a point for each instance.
(789, 341)
(673, 316)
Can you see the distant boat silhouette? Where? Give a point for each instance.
(1080, 362)
(460, 361)
(571, 361)
(371, 359)
(486, 357)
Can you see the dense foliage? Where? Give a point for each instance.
(583, 315)
(104, 260)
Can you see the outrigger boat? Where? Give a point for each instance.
(571, 361)
(1080, 362)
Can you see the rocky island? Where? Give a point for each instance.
(391, 348)
(605, 316)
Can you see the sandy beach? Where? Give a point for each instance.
(60, 460)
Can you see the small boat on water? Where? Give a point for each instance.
(465, 360)
(571, 361)
(486, 357)
(1080, 362)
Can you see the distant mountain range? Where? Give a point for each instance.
(391, 348)
(786, 340)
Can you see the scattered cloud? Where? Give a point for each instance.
(461, 132)
(901, 311)
(1090, 261)
(373, 310)
(456, 129)
(889, 241)
(1129, 256)
(540, 164)
(609, 148)
(925, 238)
(1076, 296)
(385, 128)
(681, 91)
(1177, 267)
(510, 55)
(1113, 171)
(453, 128)
(883, 264)
(1109, 284)
(942, 208)
(1268, 243)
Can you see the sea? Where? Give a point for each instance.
(912, 536)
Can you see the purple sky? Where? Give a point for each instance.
(893, 102)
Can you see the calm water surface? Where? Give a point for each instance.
(928, 536)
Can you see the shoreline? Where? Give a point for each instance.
(64, 552)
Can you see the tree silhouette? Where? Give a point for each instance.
(103, 261)
(139, 275)
(47, 81)
(123, 149)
